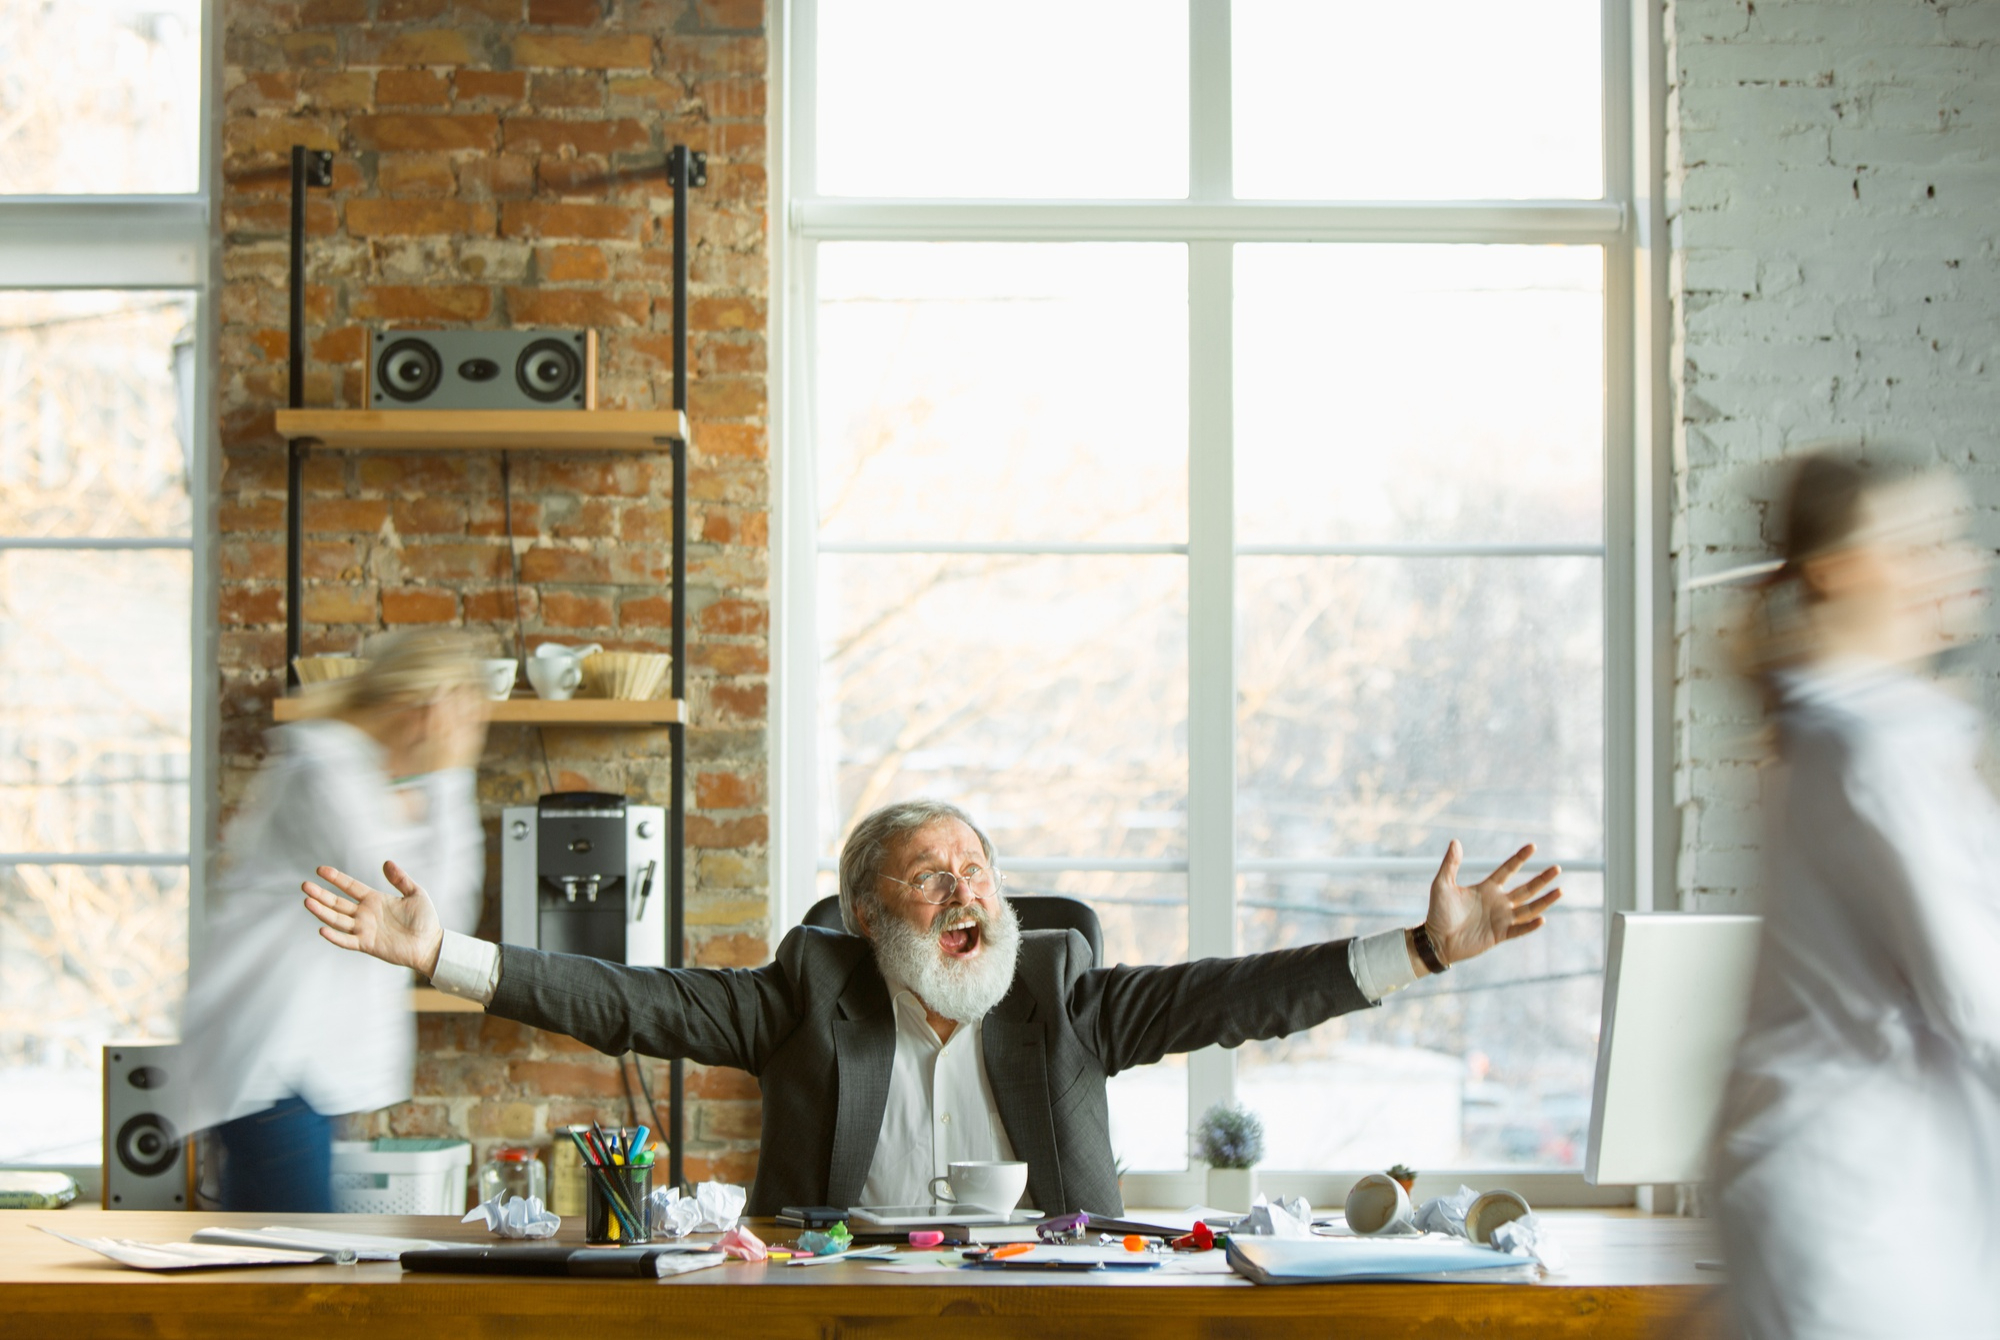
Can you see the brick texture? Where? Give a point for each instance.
(1834, 276)
(500, 164)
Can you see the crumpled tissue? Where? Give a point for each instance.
(1446, 1214)
(1289, 1217)
(521, 1217)
(831, 1242)
(713, 1208)
(744, 1245)
(1531, 1235)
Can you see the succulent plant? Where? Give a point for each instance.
(1405, 1174)
(1229, 1136)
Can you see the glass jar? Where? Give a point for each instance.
(514, 1170)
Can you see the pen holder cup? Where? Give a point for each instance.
(634, 1187)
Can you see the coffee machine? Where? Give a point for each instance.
(585, 872)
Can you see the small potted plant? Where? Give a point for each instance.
(1230, 1139)
(1406, 1175)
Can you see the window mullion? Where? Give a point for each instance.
(1211, 637)
(1210, 143)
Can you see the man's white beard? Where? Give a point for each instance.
(960, 989)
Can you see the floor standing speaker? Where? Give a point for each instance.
(146, 1163)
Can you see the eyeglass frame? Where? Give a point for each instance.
(999, 877)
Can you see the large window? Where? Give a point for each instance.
(1201, 467)
(102, 259)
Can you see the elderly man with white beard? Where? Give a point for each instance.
(934, 1030)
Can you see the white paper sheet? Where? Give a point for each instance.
(188, 1255)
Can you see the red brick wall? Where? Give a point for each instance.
(499, 164)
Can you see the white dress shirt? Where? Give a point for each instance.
(275, 1012)
(940, 1109)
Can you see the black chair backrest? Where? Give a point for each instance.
(1037, 911)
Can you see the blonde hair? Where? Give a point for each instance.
(405, 669)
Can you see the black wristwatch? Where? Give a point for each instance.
(1427, 950)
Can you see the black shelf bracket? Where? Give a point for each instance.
(685, 169)
(310, 168)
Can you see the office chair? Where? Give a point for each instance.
(1037, 912)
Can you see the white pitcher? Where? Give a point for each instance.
(556, 670)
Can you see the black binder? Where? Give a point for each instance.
(544, 1258)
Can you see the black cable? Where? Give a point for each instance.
(514, 573)
(625, 1082)
(659, 1127)
(513, 555)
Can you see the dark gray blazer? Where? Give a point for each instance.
(817, 1028)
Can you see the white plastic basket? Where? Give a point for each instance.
(400, 1176)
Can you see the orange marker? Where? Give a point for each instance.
(1012, 1249)
(1134, 1243)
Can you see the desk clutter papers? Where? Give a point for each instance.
(343, 1246)
(713, 1208)
(195, 1255)
(1337, 1260)
(538, 1258)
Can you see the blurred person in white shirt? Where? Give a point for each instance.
(1858, 1164)
(281, 1036)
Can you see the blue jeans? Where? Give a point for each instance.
(279, 1160)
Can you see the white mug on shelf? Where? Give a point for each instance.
(499, 672)
(995, 1187)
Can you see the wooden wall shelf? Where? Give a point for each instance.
(536, 712)
(485, 430)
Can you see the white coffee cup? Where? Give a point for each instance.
(994, 1187)
(1378, 1204)
(554, 677)
(1490, 1211)
(499, 672)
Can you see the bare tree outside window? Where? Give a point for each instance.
(95, 667)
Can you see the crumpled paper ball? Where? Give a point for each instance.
(714, 1208)
(521, 1217)
(1289, 1217)
(1531, 1236)
(1446, 1214)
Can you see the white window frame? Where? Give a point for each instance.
(1628, 222)
(148, 242)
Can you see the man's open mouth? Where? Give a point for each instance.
(960, 939)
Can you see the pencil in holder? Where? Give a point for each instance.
(629, 1223)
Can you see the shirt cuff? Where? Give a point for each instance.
(1380, 963)
(467, 968)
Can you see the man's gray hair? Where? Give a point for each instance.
(867, 850)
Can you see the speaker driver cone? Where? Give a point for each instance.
(549, 370)
(408, 370)
(147, 1145)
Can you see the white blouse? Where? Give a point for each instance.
(273, 1011)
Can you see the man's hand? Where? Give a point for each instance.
(404, 931)
(1467, 920)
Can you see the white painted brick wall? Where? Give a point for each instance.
(1835, 189)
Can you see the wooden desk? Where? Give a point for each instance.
(1630, 1275)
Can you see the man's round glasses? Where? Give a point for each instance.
(940, 885)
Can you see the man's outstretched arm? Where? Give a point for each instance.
(1137, 1015)
(714, 1016)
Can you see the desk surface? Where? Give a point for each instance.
(1630, 1275)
